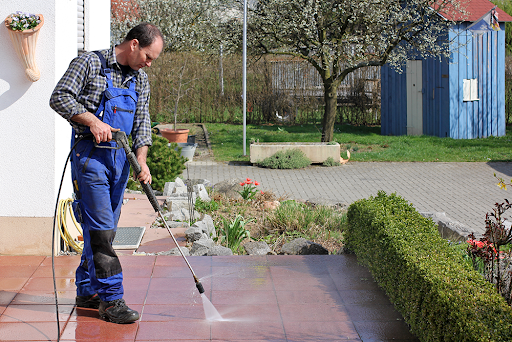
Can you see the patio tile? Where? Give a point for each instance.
(161, 271)
(311, 297)
(236, 297)
(313, 313)
(130, 271)
(373, 312)
(136, 284)
(361, 297)
(249, 312)
(21, 260)
(72, 260)
(165, 313)
(17, 271)
(33, 331)
(330, 331)
(312, 282)
(137, 260)
(13, 284)
(46, 284)
(99, 331)
(35, 313)
(242, 284)
(176, 330)
(6, 297)
(44, 297)
(230, 330)
(61, 271)
(382, 331)
(174, 295)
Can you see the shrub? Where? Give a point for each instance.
(331, 162)
(164, 162)
(438, 293)
(233, 233)
(287, 159)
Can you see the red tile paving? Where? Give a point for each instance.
(261, 298)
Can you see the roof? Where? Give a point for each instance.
(475, 10)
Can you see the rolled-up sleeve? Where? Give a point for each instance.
(141, 132)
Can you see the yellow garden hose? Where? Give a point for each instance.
(64, 205)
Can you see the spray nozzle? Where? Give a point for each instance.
(199, 286)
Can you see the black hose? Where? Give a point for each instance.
(53, 237)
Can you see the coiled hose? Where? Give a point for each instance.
(63, 206)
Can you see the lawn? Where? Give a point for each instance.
(364, 143)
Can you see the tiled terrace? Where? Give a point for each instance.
(261, 298)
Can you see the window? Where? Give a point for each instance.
(470, 89)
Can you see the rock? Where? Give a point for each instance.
(175, 251)
(230, 187)
(199, 251)
(210, 227)
(219, 251)
(448, 229)
(302, 246)
(201, 244)
(326, 202)
(169, 188)
(271, 205)
(193, 233)
(201, 192)
(257, 248)
(179, 182)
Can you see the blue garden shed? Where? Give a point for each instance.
(462, 97)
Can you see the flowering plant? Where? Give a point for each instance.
(249, 190)
(22, 21)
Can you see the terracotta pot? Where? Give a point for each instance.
(24, 43)
(177, 136)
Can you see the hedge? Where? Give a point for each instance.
(439, 295)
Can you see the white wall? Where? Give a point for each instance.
(35, 140)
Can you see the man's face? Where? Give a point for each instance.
(142, 57)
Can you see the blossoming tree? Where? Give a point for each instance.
(339, 36)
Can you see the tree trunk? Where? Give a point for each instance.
(330, 98)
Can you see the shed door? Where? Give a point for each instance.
(414, 98)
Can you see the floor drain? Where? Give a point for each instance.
(128, 237)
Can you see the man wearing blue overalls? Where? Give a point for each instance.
(102, 92)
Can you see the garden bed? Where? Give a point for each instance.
(316, 152)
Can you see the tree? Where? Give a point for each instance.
(506, 5)
(339, 36)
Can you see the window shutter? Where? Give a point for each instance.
(80, 26)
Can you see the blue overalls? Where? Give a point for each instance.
(99, 179)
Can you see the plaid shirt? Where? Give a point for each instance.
(81, 88)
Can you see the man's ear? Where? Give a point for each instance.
(134, 43)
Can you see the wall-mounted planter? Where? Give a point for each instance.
(316, 152)
(24, 43)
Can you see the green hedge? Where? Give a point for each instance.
(439, 295)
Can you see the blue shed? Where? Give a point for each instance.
(462, 97)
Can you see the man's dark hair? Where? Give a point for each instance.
(145, 33)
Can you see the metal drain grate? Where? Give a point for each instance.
(128, 237)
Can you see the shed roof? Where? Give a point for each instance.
(475, 10)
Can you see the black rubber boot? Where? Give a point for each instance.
(90, 302)
(117, 311)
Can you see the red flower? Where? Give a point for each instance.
(242, 183)
(262, 192)
(256, 183)
(248, 180)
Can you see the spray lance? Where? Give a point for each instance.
(122, 142)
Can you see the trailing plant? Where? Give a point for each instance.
(249, 189)
(206, 206)
(287, 159)
(165, 163)
(22, 21)
(233, 233)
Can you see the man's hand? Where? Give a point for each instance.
(101, 131)
(145, 175)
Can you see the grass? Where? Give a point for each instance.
(365, 143)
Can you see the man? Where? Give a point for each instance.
(102, 92)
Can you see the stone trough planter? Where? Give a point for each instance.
(316, 152)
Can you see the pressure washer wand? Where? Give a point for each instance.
(122, 141)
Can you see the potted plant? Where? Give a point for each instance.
(24, 30)
(178, 135)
